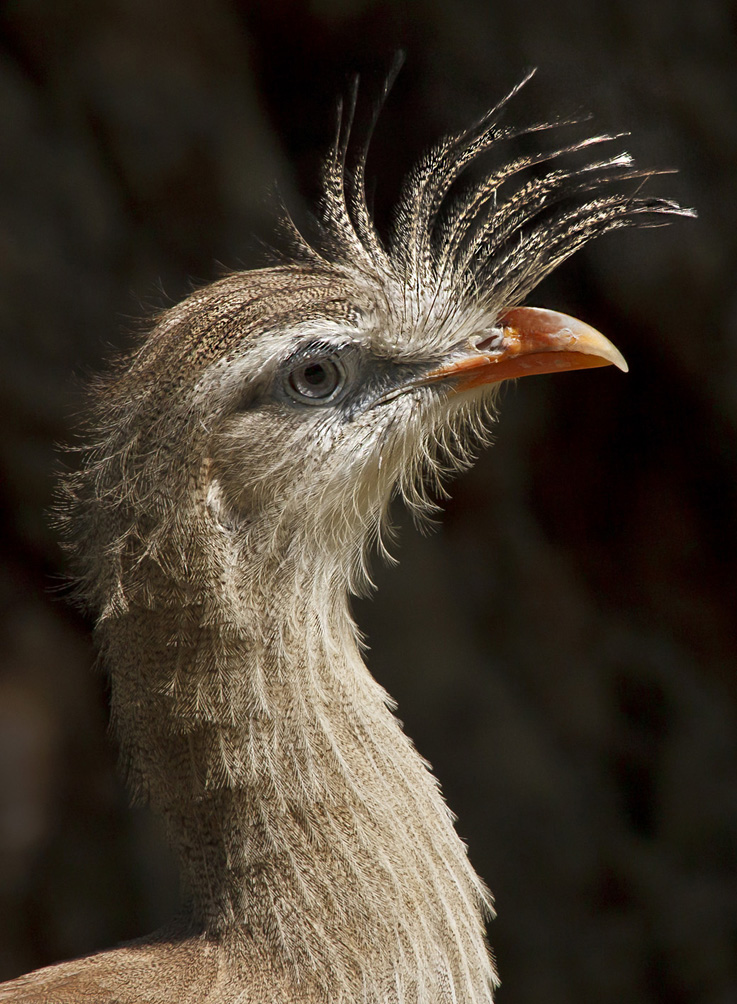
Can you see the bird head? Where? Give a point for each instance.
(277, 411)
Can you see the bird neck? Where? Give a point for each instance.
(309, 831)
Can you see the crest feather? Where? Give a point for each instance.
(498, 238)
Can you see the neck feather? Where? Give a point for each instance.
(309, 830)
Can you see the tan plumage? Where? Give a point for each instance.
(221, 521)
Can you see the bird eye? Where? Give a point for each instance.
(317, 380)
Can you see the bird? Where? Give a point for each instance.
(238, 470)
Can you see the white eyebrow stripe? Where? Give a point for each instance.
(251, 364)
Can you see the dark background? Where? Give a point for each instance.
(563, 648)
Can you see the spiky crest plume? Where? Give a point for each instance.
(497, 240)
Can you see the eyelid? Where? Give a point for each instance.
(346, 355)
(316, 349)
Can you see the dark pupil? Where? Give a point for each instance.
(314, 375)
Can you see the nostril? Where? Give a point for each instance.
(493, 342)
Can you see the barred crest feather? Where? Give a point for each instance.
(502, 236)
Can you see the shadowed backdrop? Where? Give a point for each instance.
(563, 646)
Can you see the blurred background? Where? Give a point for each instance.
(563, 646)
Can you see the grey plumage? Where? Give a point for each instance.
(221, 520)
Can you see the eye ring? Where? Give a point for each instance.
(316, 380)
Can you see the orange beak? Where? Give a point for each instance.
(526, 341)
